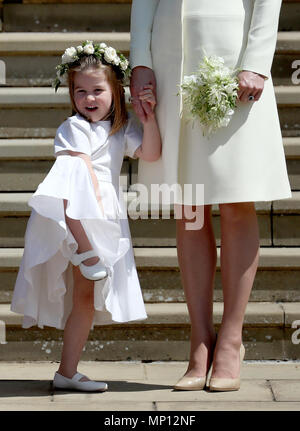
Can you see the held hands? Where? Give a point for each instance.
(143, 92)
(147, 101)
(143, 98)
(250, 84)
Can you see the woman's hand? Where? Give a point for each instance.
(140, 78)
(250, 84)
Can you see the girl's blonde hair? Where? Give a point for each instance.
(118, 114)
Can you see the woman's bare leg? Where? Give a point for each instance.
(197, 258)
(78, 325)
(239, 261)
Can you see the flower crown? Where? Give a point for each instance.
(106, 54)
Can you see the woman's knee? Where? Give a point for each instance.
(191, 217)
(238, 211)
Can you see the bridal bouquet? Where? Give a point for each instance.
(210, 94)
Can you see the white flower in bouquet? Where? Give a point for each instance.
(190, 80)
(210, 94)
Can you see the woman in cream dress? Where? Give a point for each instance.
(239, 165)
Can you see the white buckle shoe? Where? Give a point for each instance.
(92, 272)
(61, 382)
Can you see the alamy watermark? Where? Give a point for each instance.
(296, 334)
(161, 199)
(2, 73)
(2, 332)
(296, 74)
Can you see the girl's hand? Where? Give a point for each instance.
(148, 101)
(140, 77)
(250, 84)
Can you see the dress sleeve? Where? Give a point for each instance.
(262, 37)
(133, 137)
(142, 15)
(73, 135)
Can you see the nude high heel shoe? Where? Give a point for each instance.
(190, 383)
(225, 384)
(195, 383)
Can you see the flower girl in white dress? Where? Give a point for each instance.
(78, 213)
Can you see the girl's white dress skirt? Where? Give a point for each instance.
(44, 285)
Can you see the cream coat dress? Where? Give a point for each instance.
(245, 161)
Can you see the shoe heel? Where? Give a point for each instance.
(226, 384)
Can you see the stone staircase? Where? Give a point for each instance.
(34, 35)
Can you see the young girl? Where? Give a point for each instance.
(78, 213)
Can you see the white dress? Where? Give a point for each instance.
(245, 161)
(44, 285)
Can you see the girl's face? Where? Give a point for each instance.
(92, 94)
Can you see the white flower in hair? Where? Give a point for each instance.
(124, 64)
(69, 55)
(116, 61)
(62, 78)
(110, 54)
(101, 52)
(88, 49)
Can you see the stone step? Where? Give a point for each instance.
(267, 334)
(277, 278)
(146, 232)
(44, 97)
(39, 43)
(62, 17)
(42, 149)
(49, 43)
(24, 175)
(109, 15)
(16, 155)
(15, 204)
(279, 222)
(30, 58)
(40, 111)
